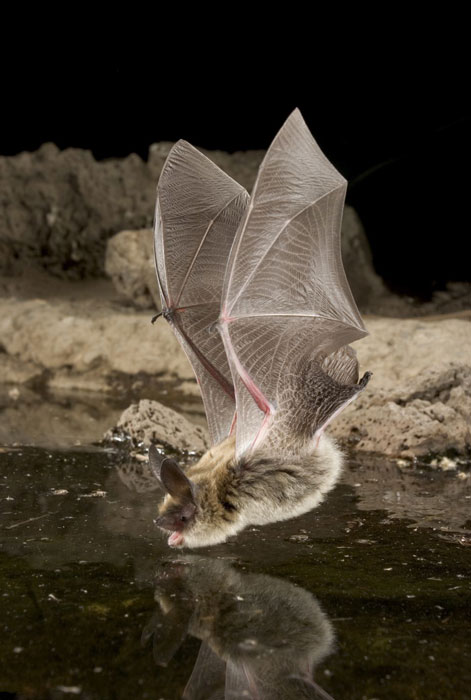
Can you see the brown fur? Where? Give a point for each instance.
(286, 476)
(231, 494)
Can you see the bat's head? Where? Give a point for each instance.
(178, 511)
(192, 511)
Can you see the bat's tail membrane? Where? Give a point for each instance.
(339, 396)
(314, 394)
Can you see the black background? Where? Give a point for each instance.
(389, 112)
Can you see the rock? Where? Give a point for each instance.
(129, 262)
(14, 371)
(413, 430)
(88, 336)
(396, 350)
(152, 422)
(75, 204)
(456, 297)
(190, 388)
(70, 381)
(419, 399)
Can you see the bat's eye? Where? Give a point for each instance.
(186, 513)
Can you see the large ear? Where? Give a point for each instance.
(155, 461)
(176, 483)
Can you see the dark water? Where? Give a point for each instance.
(367, 597)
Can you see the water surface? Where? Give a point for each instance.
(366, 597)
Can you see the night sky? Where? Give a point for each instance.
(397, 128)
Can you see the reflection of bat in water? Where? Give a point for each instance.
(262, 637)
(255, 291)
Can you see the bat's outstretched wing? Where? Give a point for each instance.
(198, 211)
(286, 301)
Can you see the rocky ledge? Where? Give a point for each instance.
(417, 403)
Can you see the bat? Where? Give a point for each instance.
(255, 291)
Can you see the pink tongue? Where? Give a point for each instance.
(175, 539)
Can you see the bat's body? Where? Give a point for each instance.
(232, 494)
(256, 293)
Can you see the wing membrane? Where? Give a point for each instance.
(286, 299)
(198, 211)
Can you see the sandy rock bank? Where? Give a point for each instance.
(84, 337)
(418, 401)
